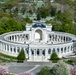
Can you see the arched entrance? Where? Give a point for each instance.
(38, 34)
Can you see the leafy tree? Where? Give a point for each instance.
(53, 12)
(61, 68)
(63, 21)
(68, 17)
(4, 19)
(9, 5)
(1, 30)
(23, 11)
(64, 2)
(44, 11)
(38, 16)
(21, 56)
(28, 20)
(12, 25)
(3, 14)
(8, 24)
(54, 57)
(73, 70)
(45, 71)
(16, 10)
(47, 2)
(3, 70)
(48, 22)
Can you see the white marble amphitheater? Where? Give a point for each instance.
(38, 42)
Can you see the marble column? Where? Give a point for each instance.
(29, 53)
(14, 38)
(34, 54)
(6, 47)
(12, 49)
(46, 53)
(1, 46)
(60, 51)
(16, 49)
(9, 48)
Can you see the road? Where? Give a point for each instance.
(34, 67)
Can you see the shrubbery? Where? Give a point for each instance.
(73, 70)
(54, 57)
(10, 25)
(28, 20)
(61, 68)
(3, 70)
(45, 71)
(21, 56)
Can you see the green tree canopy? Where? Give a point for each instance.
(61, 68)
(12, 25)
(44, 11)
(54, 57)
(28, 20)
(45, 71)
(21, 56)
(9, 25)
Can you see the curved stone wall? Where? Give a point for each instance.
(61, 43)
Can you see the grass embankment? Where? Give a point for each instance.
(71, 62)
(7, 58)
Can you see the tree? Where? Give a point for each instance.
(69, 2)
(43, 11)
(3, 71)
(3, 14)
(47, 2)
(73, 70)
(9, 5)
(61, 68)
(54, 57)
(45, 71)
(28, 20)
(12, 25)
(4, 19)
(38, 16)
(63, 21)
(68, 17)
(16, 9)
(1, 30)
(53, 12)
(9, 25)
(21, 56)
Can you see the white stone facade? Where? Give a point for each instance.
(38, 42)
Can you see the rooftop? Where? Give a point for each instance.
(39, 25)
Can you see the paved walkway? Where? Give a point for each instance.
(34, 67)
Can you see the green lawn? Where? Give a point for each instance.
(71, 62)
(7, 58)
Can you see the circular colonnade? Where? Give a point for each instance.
(38, 49)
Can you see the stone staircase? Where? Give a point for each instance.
(38, 59)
